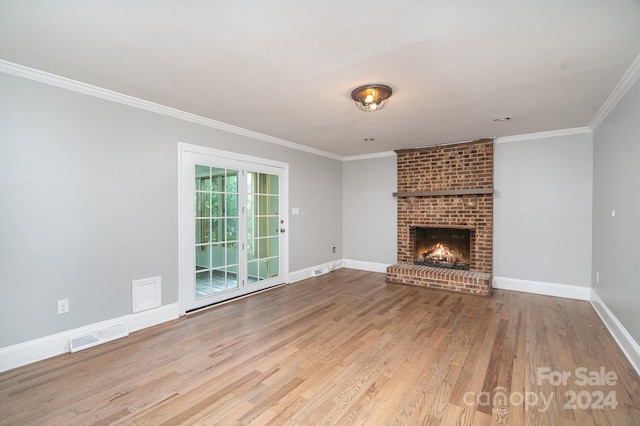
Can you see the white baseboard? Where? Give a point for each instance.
(548, 289)
(49, 346)
(305, 273)
(310, 272)
(628, 345)
(366, 266)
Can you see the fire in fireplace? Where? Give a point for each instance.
(443, 247)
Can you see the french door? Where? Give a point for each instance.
(233, 225)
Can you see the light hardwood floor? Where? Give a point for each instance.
(343, 348)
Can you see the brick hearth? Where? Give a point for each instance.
(448, 186)
(447, 279)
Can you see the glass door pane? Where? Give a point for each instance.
(263, 227)
(231, 232)
(216, 230)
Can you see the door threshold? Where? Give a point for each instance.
(233, 299)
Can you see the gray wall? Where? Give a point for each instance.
(89, 202)
(370, 210)
(616, 186)
(542, 210)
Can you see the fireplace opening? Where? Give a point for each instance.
(443, 248)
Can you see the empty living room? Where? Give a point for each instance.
(320, 213)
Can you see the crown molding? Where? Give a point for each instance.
(98, 92)
(618, 93)
(369, 156)
(627, 81)
(543, 135)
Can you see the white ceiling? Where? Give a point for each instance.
(286, 68)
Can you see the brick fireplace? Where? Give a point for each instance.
(445, 190)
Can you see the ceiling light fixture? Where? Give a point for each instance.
(502, 119)
(368, 139)
(372, 97)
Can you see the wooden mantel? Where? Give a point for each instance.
(475, 191)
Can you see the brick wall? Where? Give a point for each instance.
(464, 166)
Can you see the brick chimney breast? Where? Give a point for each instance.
(446, 186)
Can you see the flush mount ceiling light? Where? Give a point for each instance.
(372, 97)
(501, 119)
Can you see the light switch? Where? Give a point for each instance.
(295, 211)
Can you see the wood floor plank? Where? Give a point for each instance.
(343, 348)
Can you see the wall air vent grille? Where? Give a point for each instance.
(98, 337)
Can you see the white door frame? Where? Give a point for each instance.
(183, 221)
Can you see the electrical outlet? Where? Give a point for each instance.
(63, 306)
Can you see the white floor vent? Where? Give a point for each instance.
(98, 337)
(326, 269)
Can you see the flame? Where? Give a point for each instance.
(441, 255)
(440, 252)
